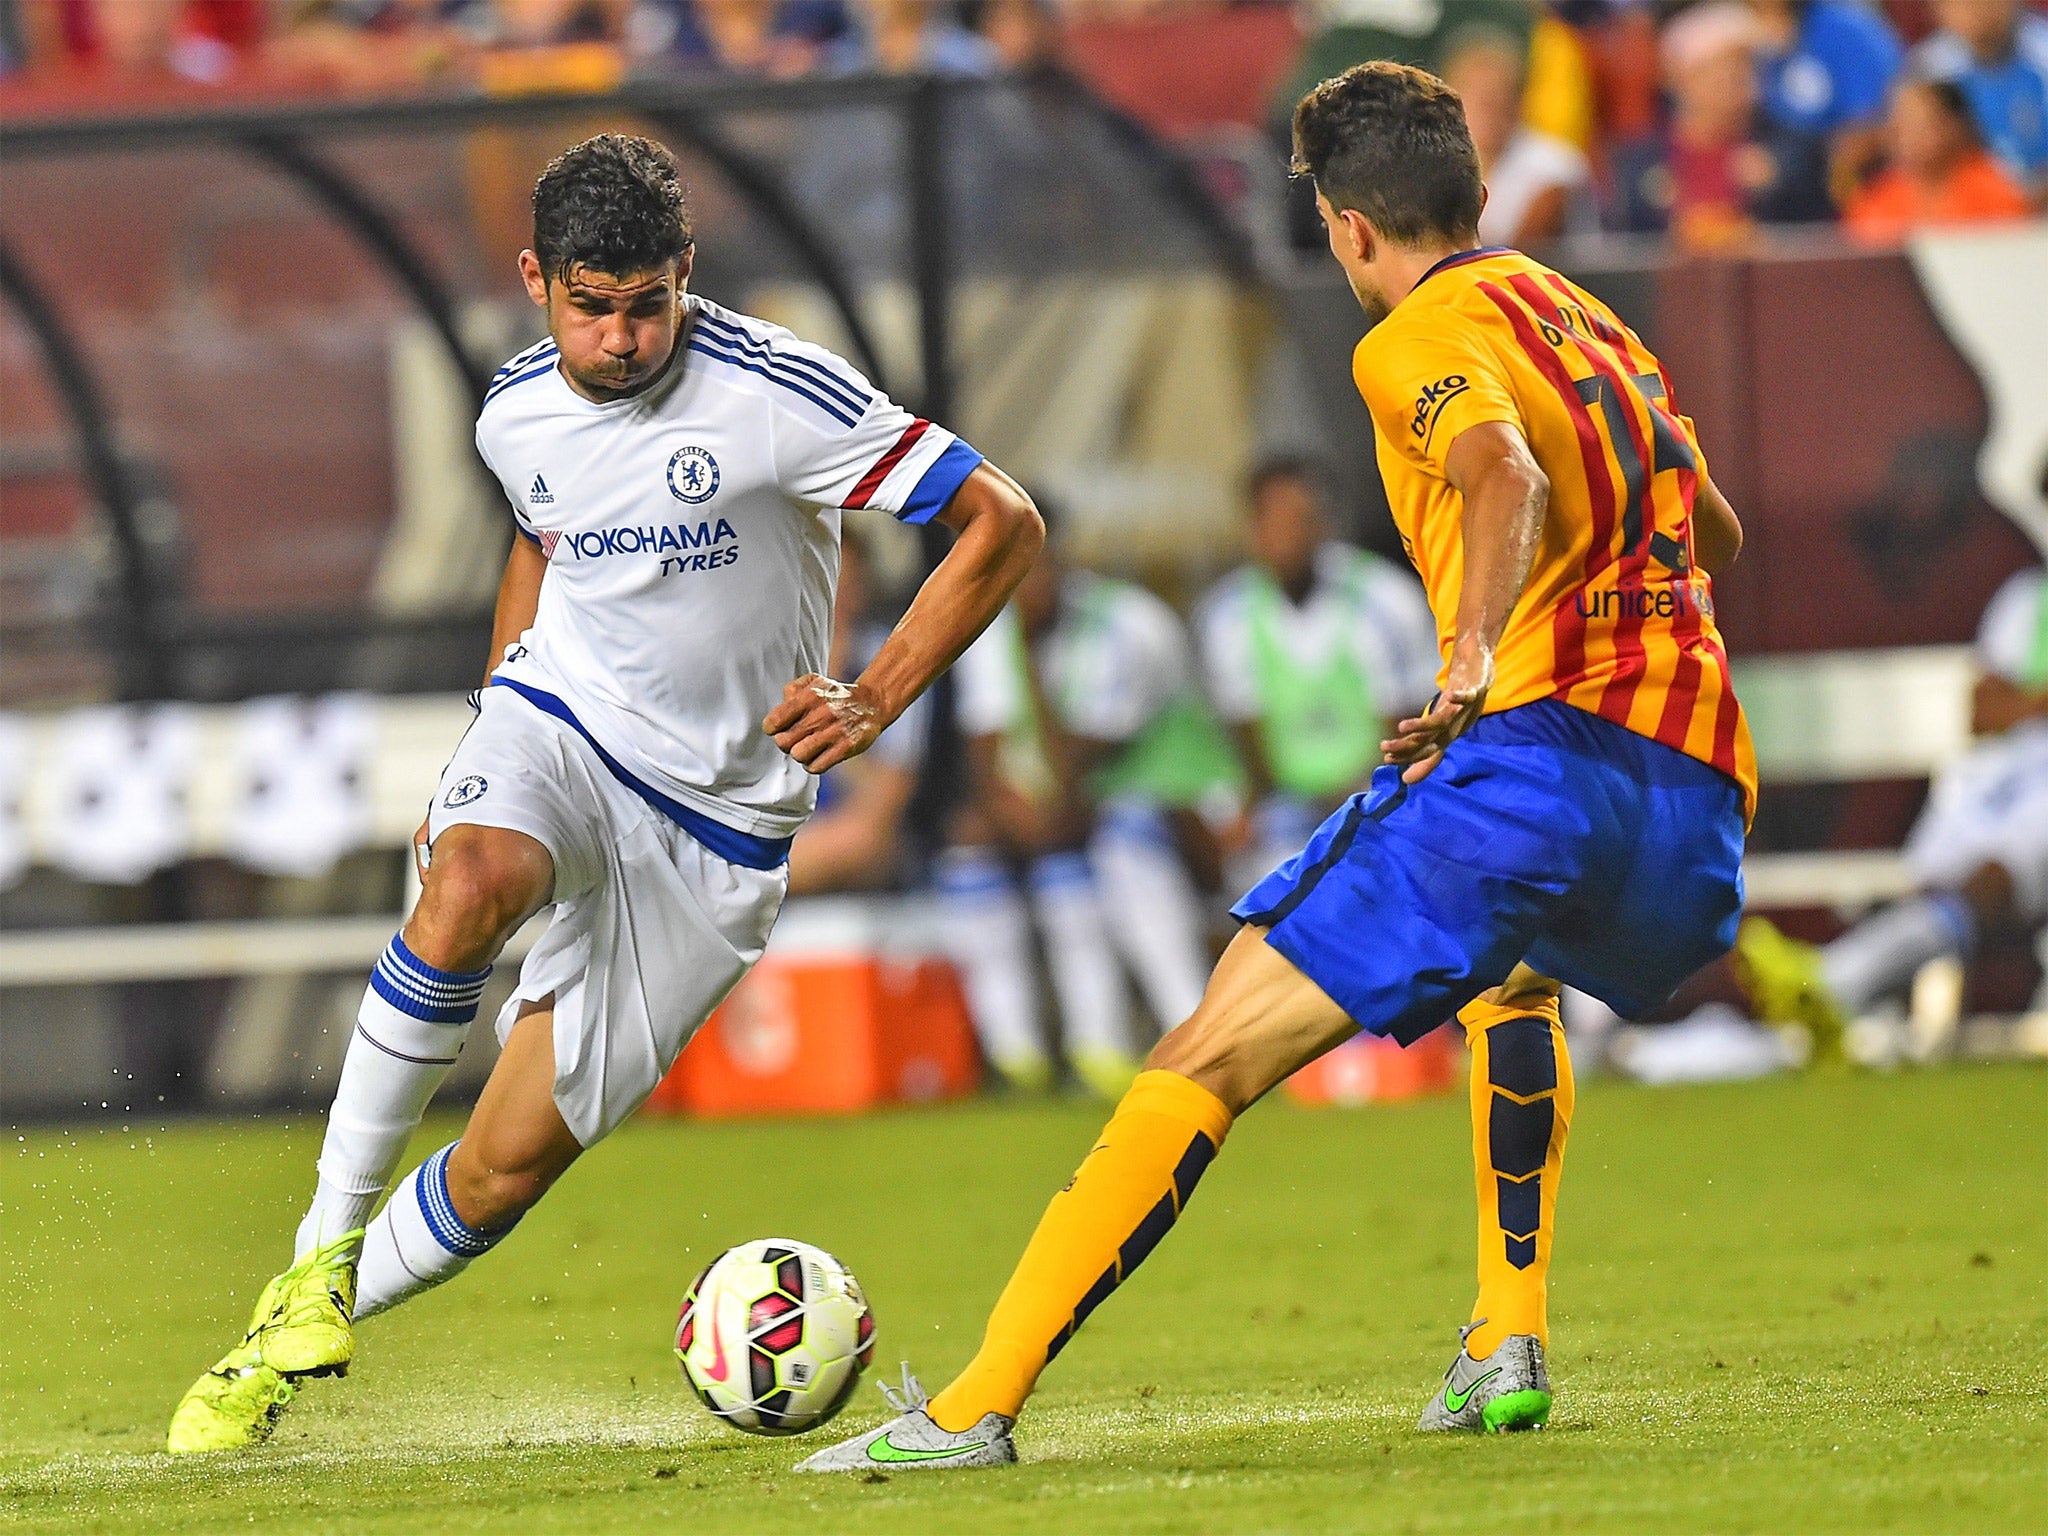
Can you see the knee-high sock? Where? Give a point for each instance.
(988, 933)
(1128, 1192)
(417, 1240)
(1153, 912)
(1095, 1011)
(1881, 953)
(1521, 1110)
(409, 1031)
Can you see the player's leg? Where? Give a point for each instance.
(1521, 1112)
(1153, 911)
(460, 1202)
(1260, 1020)
(1979, 853)
(988, 934)
(483, 883)
(1095, 1006)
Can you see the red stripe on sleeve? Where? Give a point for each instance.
(871, 482)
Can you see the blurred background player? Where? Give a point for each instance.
(1571, 809)
(1312, 651)
(1090, 748)
(856, 838)
(1979, 851)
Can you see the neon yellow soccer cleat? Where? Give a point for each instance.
(1782, 978)
(301, 1327)
(237, 1403)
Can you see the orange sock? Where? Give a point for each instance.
(1128, 1192)
(1521, 1111)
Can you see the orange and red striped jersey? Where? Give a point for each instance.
(1616, 618)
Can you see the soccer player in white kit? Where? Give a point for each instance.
(646, 747)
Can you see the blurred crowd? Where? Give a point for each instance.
(1706, 120)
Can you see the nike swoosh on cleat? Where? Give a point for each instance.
(1456, 1401)
(883, 1450)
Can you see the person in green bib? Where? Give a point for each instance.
(1091, 749)
(1310, 651)
(1978, 853)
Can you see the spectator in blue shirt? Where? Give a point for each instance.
(1997, 51)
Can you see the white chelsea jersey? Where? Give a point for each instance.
(692, 539)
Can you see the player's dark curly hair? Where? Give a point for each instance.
(1390, 141)
(613, 204)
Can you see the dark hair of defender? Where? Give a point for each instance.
(612, 204)
(1390, 141)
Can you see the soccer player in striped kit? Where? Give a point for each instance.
(1571, 809)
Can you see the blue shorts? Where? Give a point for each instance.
(1608, 861)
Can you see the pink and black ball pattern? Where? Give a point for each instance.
(773, 1336)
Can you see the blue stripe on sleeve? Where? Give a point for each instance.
(536, 371)
(802, 368)
(706, 345)
(929, 496)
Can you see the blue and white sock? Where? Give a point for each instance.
(417, 1240)
(410, 1029)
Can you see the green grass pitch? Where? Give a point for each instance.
(1809, 1304)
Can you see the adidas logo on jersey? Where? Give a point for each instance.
(540, 495)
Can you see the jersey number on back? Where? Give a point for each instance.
(1669, 451)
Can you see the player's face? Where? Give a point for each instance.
(616, 331)
(1352, 243)
(1287, 528)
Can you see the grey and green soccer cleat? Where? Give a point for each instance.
(302, 1327)
(1508, 1390)
(913, 1441)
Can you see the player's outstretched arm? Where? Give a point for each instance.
(1506, 495)
(821, 722)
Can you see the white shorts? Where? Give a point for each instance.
(1990, 806)
(650, 928)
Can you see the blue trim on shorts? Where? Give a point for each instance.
(729, 843)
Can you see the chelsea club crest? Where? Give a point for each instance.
(464, 790)
(692, 475)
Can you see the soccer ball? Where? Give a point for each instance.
(774, 1335)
